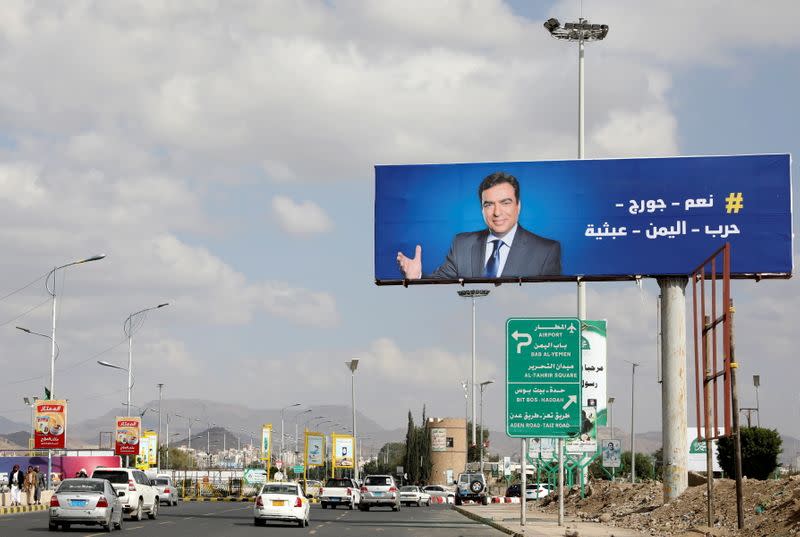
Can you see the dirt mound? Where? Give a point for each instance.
(771, 508)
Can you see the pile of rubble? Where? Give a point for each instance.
(771, 508)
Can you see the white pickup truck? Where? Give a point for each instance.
(339, 491)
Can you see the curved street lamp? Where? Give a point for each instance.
(52, 292)
(128, 329)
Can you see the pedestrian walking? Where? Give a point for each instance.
(30, 485)
(16, 480)
(41, 482)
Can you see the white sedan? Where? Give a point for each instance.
(412, 494)
(283, 502)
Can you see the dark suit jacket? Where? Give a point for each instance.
(530, 256)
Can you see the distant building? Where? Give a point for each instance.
(448, 448)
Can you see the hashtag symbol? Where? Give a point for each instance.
(734, 202)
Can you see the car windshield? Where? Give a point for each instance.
(116, 477)
(160, 481)
(434, 488)
(339, 483)
(408, 489)
(279, 489)
(378, 480)
(81, 485)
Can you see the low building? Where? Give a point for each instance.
(448, 448)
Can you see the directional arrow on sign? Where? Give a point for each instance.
(517, 335)
(570, 400)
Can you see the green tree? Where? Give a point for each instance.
(178, 459)
(424, 444)
(473, 451)
(390, 456)
(644, 466)
(760, 450)
(411, 460)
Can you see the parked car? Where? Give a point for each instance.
(514, 491)
(379, 490)
(92, 502)
(534, 491)
(312, 488)
(339, 491)
(283, 502)
(140, 496)
(471, 486)
(167, 491)
(412, 494)
(440, 491)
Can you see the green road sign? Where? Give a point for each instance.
(543, 378)
(298, 469)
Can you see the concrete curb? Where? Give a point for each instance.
(488, 522)
(22, 509)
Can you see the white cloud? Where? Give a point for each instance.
(300, 218)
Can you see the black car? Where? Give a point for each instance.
(514, 491)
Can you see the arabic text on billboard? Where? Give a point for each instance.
(438, 439)
(598, 219)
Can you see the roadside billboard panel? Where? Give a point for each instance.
(611, 219)
(315, 449)
(128, 435)
(266, 442)
(343, 451)
(50, 424)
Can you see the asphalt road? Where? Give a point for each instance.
(192, 519)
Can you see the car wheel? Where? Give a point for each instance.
(137, 515)
(52, 527)
(153, 514)
(259, 522)
(485, 500)
(301, 523)
(428, 503)
(366, 508)
(352, 504)
(458, 500)
(118, 525)
(476, 486)
(108, 527)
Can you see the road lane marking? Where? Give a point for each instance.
(133, 528)
(226, 511)
(167, 522)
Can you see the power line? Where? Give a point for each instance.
(23, 287)
(46, 300)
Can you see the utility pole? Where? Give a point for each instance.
(633, 430)
(160, 438)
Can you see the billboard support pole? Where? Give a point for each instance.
(524, 485)
(673, 386)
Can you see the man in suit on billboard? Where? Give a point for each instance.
(503, 250)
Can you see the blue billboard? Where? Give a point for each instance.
(590, 219)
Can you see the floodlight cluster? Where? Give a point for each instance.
(576, 31)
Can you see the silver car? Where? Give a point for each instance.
(167, 492)
(85, 501)
(379, 490)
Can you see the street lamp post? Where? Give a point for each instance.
(581, 32)
(52, 292)
(189, 437)
(160, 438)
(31, 402)
(633, 431)
(128, 329)
(473, 294)
(296, 417)
(282, 411)
(483, 385)
(611, 426)
(756, 384)
(352, 365)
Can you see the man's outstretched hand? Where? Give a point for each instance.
(411, 268)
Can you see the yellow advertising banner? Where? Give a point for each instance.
(152, 447)
(266, 442)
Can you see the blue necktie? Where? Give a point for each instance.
(493, 264)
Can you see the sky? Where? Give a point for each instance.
(221, 155)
